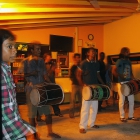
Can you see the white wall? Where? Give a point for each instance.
(121, 33)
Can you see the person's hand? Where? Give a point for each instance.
(31, 84)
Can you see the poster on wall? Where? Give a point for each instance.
(133, 57)
(89, 44)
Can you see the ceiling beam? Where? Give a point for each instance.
(47, 16)
(55, 20)
(66, 10)
(53, 24)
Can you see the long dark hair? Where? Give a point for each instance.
(6, 34)
(123, 50)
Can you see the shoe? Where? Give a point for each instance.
(95, 126)
(123, 120)
(134, 119)
(82, 130)
(53, 135)
(60, 115)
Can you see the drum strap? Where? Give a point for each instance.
(124, 82)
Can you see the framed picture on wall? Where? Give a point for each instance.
(63, 60)
(133, 57)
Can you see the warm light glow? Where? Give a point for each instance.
(1, 6)
(8, 10)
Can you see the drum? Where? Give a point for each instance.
(46, 94)
(131, 87)
(96, 92)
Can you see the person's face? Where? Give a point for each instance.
(8, 51)
(102, 56)
(77, 59)
(36, 51)
(126, 53)
(91, 54)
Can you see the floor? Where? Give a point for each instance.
(110, 126)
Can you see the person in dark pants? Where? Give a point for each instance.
(35, 73)
(102, 74)
(50, 66)
(75, 76)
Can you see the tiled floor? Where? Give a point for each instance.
(110, 126)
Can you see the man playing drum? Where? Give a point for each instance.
(35, 71)
(51, 67)
(91, 75)
(124, 73)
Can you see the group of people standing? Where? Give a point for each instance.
(38, 70)
(93, 72)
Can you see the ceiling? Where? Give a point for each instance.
(28, 14)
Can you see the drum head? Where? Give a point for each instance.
(125, 89)
(34, 97)
(86, 93)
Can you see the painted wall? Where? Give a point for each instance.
(98, 33)
(81, 32)
(42, 35)
(121, 33)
